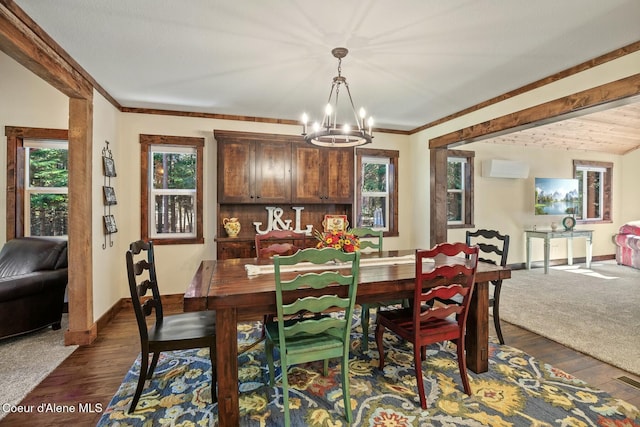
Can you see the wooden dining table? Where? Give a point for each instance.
(224, 286)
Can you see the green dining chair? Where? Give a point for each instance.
(317, 335)
(374, 244)
(365, 314)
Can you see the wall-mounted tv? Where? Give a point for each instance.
(556, 196)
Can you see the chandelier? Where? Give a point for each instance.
(327, 133)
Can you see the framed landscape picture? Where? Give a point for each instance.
(556, 196)
(109, 196)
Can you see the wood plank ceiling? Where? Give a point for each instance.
(615, 131)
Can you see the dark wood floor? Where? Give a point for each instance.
(92, 374)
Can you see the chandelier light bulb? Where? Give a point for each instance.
(316, 126)
(346, 129)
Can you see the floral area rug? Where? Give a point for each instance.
(518, 390)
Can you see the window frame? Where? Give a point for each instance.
(146, 144)
(393, 156)
(15, 190)
(468, 188)
(28, 190)
(606, 190)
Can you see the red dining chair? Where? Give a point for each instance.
(453, 267)
(279, 242)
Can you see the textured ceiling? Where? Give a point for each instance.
(410, 62)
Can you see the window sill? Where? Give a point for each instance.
(194, 241)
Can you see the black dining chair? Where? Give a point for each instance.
(494, 249)
(168, 332)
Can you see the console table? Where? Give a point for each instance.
(547, 235)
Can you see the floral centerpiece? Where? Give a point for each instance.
(342, 240)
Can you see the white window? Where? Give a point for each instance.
(172, 193)
(46, 204)
(456, 189)
(375, 192)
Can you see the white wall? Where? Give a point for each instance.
(109, 273)
(630, 202)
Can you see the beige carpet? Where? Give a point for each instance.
(595, 311)
(25, 361)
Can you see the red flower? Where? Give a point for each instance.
(342, 240)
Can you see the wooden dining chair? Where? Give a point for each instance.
(494, 249)
(168, 332)
(375, 243)
(276, 242)
(428, 321)
(371, 239)
(279, 242)
(317, 335)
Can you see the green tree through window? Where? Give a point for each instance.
(46, 199)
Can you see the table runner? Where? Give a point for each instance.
(255, 270)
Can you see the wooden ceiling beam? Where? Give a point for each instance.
(562, 107)
(35, 52)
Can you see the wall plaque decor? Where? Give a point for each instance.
(109, 193)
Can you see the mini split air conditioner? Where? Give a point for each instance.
(494, 168)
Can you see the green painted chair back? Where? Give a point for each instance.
(368, 245)
(364, 233)
(315, 335)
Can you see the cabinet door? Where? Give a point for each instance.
(236, 172)
(242, 249)
(272, 172)
(308, 172)
(340, 171)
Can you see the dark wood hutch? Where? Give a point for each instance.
(257, 171)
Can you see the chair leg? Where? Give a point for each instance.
(268, 348)
(365, 317)
(144, 363)
(345, 388)
(496, 311)
(417, 353)
(462, 365)
(154, 362)
(214, 374)
(285, 392)
(379, 334)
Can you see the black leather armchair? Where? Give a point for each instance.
(33, 279)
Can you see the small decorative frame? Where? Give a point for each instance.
(110, 224)
(109, 169)
(108, 164)
(335, 223)
(109, 196)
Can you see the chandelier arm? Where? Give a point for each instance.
(353, 108)
(327, 117)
